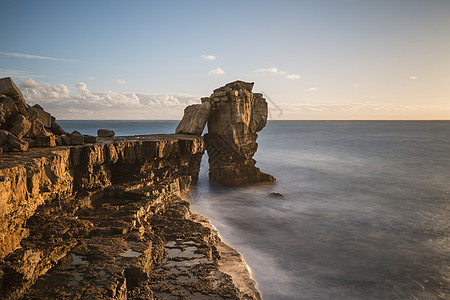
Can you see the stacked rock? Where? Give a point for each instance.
(23, 126)
(234, 115)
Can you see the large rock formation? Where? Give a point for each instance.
(108, 221)
(236, 116)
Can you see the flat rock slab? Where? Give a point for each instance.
(194, 119)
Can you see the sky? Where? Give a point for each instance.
(322, 59)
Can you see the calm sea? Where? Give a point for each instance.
(365, 213)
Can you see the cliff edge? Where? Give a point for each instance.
(109, 221)
(106, 217)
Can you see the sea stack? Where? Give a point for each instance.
(237, 114)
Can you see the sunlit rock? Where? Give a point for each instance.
(237, 114)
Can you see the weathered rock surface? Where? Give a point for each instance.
(236, 116)
(107, 221)
(19, 125)
(105, 133)
(37, 129)
(22, 121)
(3, 136)
(7, 108)
(9, 88)
(76, 139)
(45, 141)
(43, 116)
(16, 143)
(194, 119)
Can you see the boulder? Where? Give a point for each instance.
(65, 140)
(76, 139)
(3, 136)
(32, 113)
(45, 141)
(105, 133)
(6, 148)
(58, 140)
(276, 195)
(19, 125)
(9, 88)
(236, 116)
(43, 116)
(90, 139)
(16, 143)
(7, 108)
(56, 129)
(37, 129)
(194, 119)
(31, 142)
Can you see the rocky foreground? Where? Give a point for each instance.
(107, 217)
(109, 221)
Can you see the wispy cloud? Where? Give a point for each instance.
(413, 77)
(293, 76)
(271, 70)
(216, 71)
(208, 57)
(21, 55)
(18, 74)
(275, 70)
(119, 81)
(91, 78)
(311, 89)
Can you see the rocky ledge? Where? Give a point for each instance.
(109, 220)
(106, 217)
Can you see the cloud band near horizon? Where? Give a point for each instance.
(30, 56)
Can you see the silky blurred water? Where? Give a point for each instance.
(365, 213)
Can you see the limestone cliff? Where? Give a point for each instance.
(236, 116)
(108, 221)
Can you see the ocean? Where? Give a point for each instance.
(365, 212)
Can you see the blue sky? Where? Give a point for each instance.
(335, 59)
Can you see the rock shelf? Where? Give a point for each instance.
(110, 221)
(107, 217)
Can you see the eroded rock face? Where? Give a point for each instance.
(194, 119)
(237, 114)
(9, 88)
(107, 221)
(27, 126)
